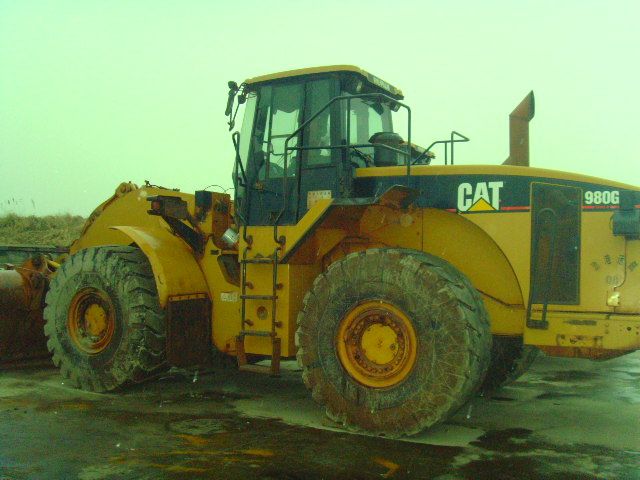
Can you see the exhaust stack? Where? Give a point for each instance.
(519, 132)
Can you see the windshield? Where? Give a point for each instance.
(247, 127)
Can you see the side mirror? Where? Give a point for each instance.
(233, 89)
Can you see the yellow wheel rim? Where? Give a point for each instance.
(376, 344)
(91, 320)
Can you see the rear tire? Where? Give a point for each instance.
(104, 324)
(510, 359)
(424, 294)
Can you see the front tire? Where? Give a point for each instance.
(104, 324)
(392, 341)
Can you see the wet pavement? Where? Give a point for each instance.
(566, 419)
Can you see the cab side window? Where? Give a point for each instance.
(366, 118)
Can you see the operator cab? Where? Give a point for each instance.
(305, 131)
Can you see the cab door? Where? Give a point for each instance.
(321, 173)
(279, 114)
(282, 109)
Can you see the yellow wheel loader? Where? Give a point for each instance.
(403, 285)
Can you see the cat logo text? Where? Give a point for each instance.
(481, 197)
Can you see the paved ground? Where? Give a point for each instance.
(566, 419)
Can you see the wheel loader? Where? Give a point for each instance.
(402, 284)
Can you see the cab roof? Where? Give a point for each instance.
(372, 79)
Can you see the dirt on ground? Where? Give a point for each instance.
(567, 419)
(57, 230)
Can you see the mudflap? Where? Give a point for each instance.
(189, 330)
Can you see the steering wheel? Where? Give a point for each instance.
(368, 161)
(276, 170)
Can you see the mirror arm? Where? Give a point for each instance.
(233, 91)
(235, 137)
(232, 120)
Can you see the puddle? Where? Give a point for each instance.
(502, 399)
(556, 395)
(570, 376)
(198, 426)
(55, 406)
(507, 440)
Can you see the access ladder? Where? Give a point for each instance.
(246, 329)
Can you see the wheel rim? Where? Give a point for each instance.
(91, 320)
(376, 344)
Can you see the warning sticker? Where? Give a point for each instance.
(229, 296)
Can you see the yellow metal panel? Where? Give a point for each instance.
(626, 297)
(127, 209)
(420, 170)
(602, 259)
(587, 330)
(294, 281)
(505, 319)
(263, 241)
(294, 233)
(225, 300)
(480, 256)
(304, 71)
(394, 228)
(470, 249)
(328, 69)
(260, 275)
(511, 234)
(325, 240)
(602, 265)
(174, 266)
(300, 279)
(608, 274)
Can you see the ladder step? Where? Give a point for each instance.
(276, 344)
(268, 369)
(257, 260)
(255, 333)
(258, 297)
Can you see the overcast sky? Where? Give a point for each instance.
(93, 93)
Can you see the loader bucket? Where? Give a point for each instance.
(22, 291)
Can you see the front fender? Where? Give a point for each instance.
(175, 269)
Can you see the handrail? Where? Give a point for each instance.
(235, 137)
(451, 141)
(347, 146)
